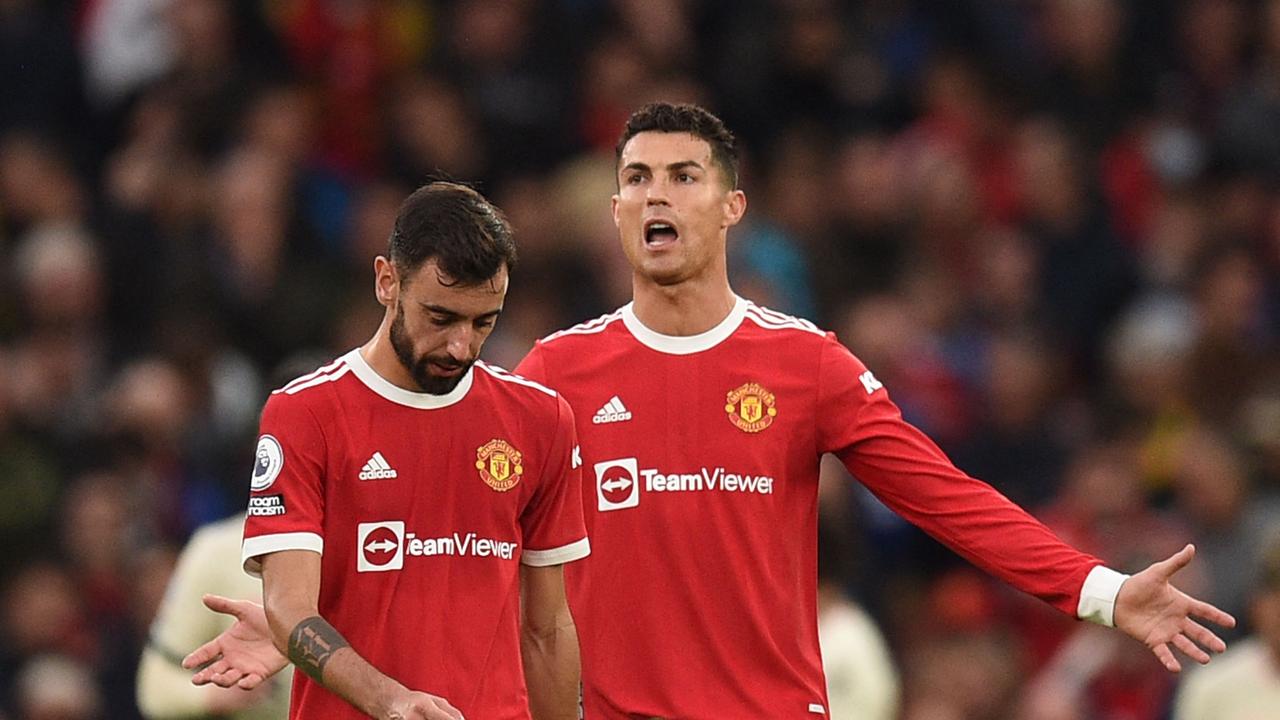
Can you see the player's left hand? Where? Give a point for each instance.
(1150, 609)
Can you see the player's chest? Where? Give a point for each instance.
(433, 466)
(693, 431)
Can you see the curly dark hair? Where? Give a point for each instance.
(686, 118)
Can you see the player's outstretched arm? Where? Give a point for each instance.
(548, 644)
(1150, 609)
(290, 590)
(242, 655)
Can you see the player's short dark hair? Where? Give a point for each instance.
(686, 118)
(467, 236)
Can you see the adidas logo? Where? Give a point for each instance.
(613, 411)
(377, 469)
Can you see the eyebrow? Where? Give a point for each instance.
(672, 167)
(454, 313)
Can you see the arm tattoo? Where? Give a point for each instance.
(311, 643)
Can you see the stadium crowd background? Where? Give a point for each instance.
(1051, 227)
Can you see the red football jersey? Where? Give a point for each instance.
(423, 507)
(701, 456)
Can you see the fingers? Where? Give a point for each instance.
(206, 653)
(1190, 649)
(1208, 612)
(1167, 567)
(228, 677)
(250, 681)
(1166, 658)
(213, 674)
(226, 606)
(1203, 636)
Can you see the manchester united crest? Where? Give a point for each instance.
(750, 407)
(499, 465)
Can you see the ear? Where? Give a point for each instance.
(614, 207)
(735, 206)
(386, 282)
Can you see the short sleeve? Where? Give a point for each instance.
(553, 525)
(286, 494)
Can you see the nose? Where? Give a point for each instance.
(460, 339)
(657, 192)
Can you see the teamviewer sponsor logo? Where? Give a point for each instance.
(617, 484)
(384, 545)
(381, 546)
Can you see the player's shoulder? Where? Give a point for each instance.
(779, 325)
(587, 331)
(304, 387)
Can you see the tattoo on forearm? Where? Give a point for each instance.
(311, 643)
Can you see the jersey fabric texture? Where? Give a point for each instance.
(423, 507)
(699, 600)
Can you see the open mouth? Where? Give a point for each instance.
(659, 232)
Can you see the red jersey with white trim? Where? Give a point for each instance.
(701, 459)
(423, 508)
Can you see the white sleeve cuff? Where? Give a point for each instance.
(255, 547)
(556, 556)
(1098, 596)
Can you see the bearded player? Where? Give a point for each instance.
(411, 508)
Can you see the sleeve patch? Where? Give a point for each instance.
(268, 463)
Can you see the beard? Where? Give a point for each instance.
(419, 368)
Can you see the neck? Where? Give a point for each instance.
(687, 308)
(382, 358)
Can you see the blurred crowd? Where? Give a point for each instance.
(1051, 227)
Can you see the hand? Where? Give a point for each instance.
(1153, 611)
(421, 706)
(242, 655)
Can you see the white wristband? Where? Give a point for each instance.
(1098, 596)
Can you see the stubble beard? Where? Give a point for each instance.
(419, 368)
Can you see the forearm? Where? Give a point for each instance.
(551, 669)
(291, 584)
(316, 648)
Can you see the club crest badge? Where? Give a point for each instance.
(500, 465)
(750, 407)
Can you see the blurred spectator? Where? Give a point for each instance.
(209, 564)
(52, 687)
(862, 680)
(1245, 683)
(1230, 526)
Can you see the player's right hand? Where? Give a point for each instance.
(242, 655)
(421, 706)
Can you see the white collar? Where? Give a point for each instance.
(684, 344)
(396, 394)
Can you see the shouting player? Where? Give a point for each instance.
(411, 508)
(703, 418)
